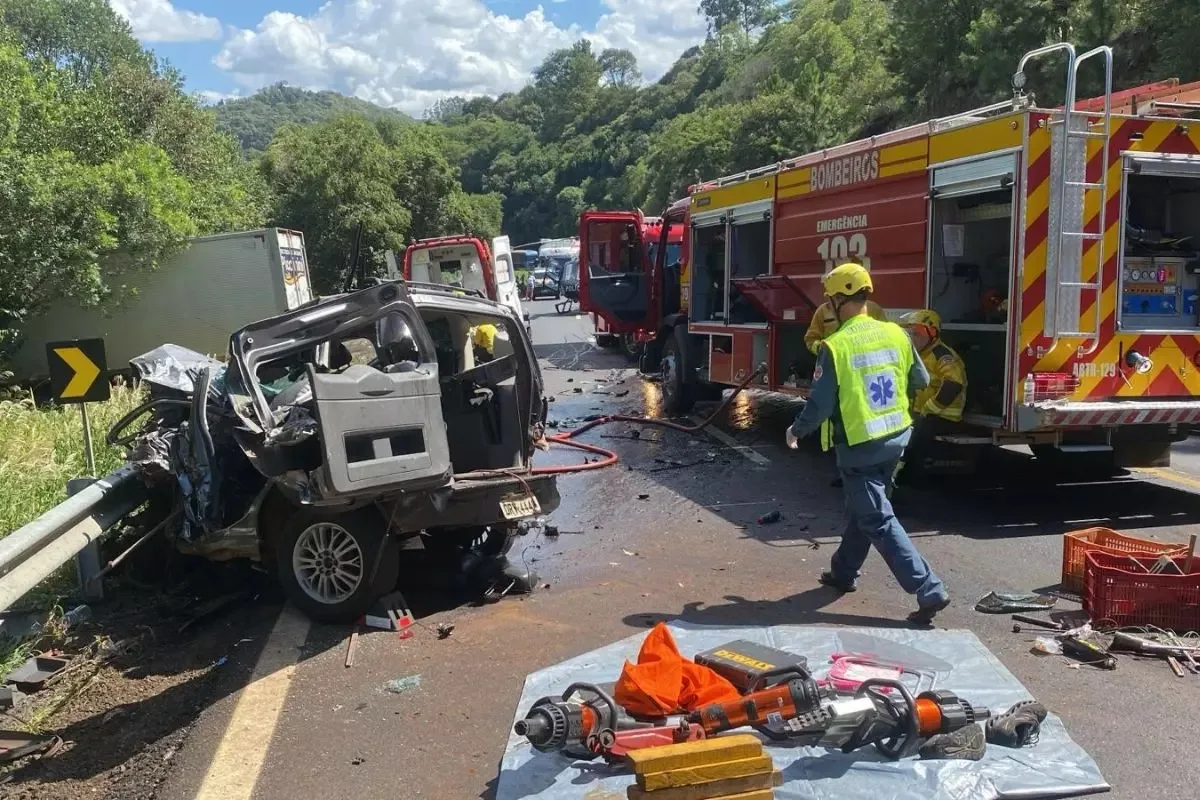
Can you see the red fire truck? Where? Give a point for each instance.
(1055, 243)
(617, 283)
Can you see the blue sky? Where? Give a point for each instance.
(401, 53)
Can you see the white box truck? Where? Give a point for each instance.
(196, 299)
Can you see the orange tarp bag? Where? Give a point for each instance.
(663, 682)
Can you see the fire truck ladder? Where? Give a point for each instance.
(1077, 127)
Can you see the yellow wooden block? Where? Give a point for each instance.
(694, 754)
(656, 781)
(760, 794)
(704, 791)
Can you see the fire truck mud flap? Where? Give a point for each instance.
(1055, 767)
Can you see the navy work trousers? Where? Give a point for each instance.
(871, 521)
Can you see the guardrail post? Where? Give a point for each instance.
(88, 562)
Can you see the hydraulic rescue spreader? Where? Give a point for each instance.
(585, 721)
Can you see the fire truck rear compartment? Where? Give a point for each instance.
(970, 265)
(1159, 264)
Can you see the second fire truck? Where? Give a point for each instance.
(1054, 242)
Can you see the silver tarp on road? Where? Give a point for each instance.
(1055, 767)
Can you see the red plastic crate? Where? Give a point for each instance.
(1104, 540)
(1120, 588)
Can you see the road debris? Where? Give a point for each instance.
(34, 673)
(1006, 602)
(770, 518)
(17, 744)
(1041, 623)
(351, 647)
(444, 629)
(402, 685)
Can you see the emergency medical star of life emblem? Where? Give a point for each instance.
(881, 390)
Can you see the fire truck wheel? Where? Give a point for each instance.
(678, 397)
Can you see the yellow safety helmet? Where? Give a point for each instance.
(925, 318)
(849, 278)
(484, 337)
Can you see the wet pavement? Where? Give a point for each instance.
(671, 532)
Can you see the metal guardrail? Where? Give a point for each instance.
(34, 551)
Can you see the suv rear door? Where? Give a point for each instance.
(614, 272)
(380, 423)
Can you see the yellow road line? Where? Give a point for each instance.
(234, 770)
(1172, 476)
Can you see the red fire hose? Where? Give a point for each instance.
(609, 457)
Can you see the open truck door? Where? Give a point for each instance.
(507, 290)
(462, 262)
(615, 274)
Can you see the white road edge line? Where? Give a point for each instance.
(239, 759)
(724, 438)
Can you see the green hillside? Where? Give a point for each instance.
(253, 120)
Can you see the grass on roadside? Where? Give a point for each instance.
(42, 448)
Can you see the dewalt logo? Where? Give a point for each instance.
(753, 663)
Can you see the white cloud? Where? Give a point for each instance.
(159, 21)
(411, 53)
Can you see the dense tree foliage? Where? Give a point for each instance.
(106, 166)
(101, 152)
(391, 178)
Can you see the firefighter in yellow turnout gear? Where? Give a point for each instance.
(825, 322)
(943, 401)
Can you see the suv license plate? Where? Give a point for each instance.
(525, 506)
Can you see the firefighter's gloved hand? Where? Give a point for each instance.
(790, 438)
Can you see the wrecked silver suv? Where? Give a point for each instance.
(399, 415)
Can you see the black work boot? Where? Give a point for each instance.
(965, 743)
(925, 614)
(1017, 727)
(829, 579)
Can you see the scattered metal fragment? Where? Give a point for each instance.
(402, 685)
(33, 674)
(444, 630)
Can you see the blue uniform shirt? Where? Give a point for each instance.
(823, 404)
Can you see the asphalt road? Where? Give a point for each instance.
(671, 533)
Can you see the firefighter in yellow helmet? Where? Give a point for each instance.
(483, 340)
(860, 402)
(825, 322)
(939, 406)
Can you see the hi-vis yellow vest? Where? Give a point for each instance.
(872, 360)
